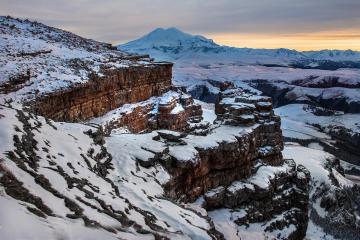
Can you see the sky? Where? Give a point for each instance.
(295, 24)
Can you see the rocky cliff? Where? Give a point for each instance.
(174, 110)
(102, 94)
(234, 162)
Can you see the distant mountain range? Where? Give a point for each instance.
(174, 45)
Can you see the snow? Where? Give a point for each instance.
(224, 222)
(295, 114)
(315, 145)
(354, 178)
(214, 192)
(177, 109)
(315, 232)
(168, 97)
(265, 150)
(138, 186)
(14, 216)
(186, 153)
(173, 44)
(190, 74)
(171, 37)
(169, 132)
(164, 210)
(66, 61)
(208, 111)
(264, 104)
(217, 136)
(314, 160)
(153, 102)
(335, 55)
(343, 181)
(238, 185)
(139, 146)
(264, 176)
(297, 129)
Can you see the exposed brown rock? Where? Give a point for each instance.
(224, 164)
(230, 160)
(102, 94)
(163, 113)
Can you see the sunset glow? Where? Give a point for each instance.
(341, 40)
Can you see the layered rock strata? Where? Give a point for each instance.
(226, 153)
(173, 110)
(268, 193)
(103, 94)
(224, 161)
(236, 108)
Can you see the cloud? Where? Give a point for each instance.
(123, 20)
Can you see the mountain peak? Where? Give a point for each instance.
(172, 44)
(167, 30)
(168, 34)
(170, 38)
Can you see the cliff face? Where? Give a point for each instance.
(102, 94)
(225, 163)
(256, 135)
(238, 164)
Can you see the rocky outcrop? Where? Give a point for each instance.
(102, 94)
(244, 109)
(174, 114)
(174, 110)
(243, 168)
(270, 191)
(224, 163)
(255, 133)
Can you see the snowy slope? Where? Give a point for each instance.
(67, 186)
(299, 113)
(42, 59)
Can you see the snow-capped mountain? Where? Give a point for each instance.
(197, 170)
(173, 44)
(171, 38)
(334, 55)
(328, 74)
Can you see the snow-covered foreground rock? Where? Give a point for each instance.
(61, 183)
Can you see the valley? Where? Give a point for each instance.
(174, 137)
